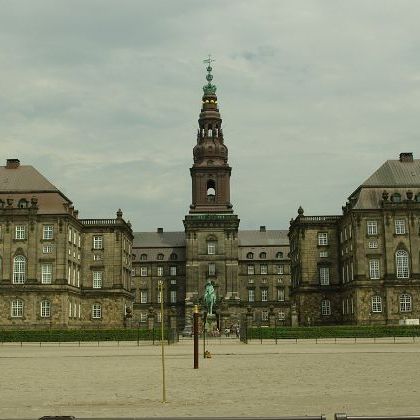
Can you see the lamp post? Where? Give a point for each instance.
(162, 344)
(195, 332)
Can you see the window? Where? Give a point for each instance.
(97, 279)
(47, 249)
(280, 269)
(212, 269)
(279, 255)
(211, 247)
(280, 295)
(405, 302)
(70, 234)
(396, 198)
(97, 242)
(400, 227)
(22, 204)
(158, 317)
(264, 295)
(173, 296)
(17, 309)
(160, 257)
(251, 269)
(75, 238)
(263, 255)
(173, 281)
(96, 311)
(251, 295)
(46, 273)
(143, 271)
(401, 258)
(143, 316)
(19, 269)
(374, 269)
(172, 270)
(143, 257)
(45, 309)
(264, 316)
(263, 269)
(325, 307)
(376, 304)
(20, 232)
(323, 254)
(160, 271)
(97, 257)
(47, 232)
(250, 256)
(324, 276)
(173, 257)
(322, 238)
(281, 316)
(373, 244)
(372, 227)
(143, 296)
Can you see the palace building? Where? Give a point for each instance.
(60, 271)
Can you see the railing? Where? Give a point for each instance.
(319, 218)
(343, 416)
(100, 221)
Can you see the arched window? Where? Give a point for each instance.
(143, 257)
(211, 190)
(22, 204)
(376, 304)
(250, 256)
(173, 256)
(45, 309)
(211, 246)
(279, 255)
(16, 309)
(401, 260)
(263, 255)
(19, 269)
(405, 302)
(396, 198)
(96, 311)
(160, 257)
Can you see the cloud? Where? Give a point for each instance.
(314, 96)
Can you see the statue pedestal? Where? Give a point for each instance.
(211, 323)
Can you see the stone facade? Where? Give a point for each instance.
(49, 258)
(372, 251)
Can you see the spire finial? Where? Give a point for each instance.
(209, 89)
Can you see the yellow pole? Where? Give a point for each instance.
(162, 343)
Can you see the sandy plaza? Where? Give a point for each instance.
(304, 378)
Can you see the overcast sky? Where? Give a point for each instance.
(103, 97)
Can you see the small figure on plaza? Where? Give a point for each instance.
(209, 297)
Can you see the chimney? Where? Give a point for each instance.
(406, 157)
(262, 228)
(159, 230)
(12, 163)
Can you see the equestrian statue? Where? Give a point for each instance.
(209, 297)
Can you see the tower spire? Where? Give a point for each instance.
(211, 171)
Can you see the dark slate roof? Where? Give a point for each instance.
(158, 240)
(177, 239)
(23, 178)
(394, 173)
(267, 238)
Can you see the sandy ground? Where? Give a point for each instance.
(239, 380)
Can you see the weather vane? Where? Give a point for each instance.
(209, 89)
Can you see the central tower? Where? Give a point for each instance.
(211, 227)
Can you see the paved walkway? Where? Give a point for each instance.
(239, 380)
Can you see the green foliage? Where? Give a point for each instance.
(333, 332)
(54, 335)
